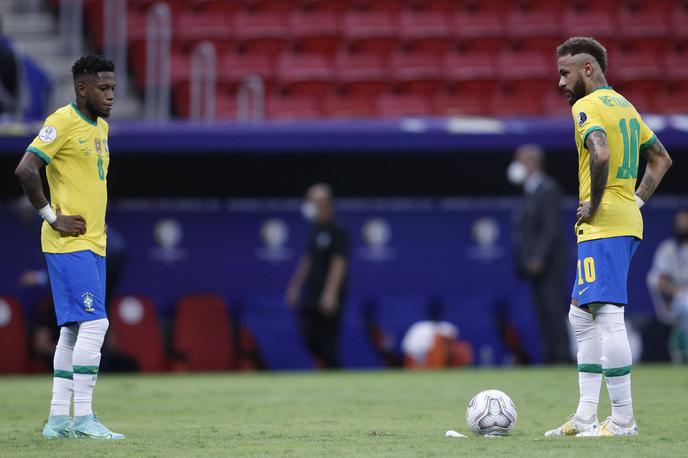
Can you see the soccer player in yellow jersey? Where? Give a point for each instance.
(610, 136)
(73, 148)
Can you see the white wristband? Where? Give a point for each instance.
(640, 201)
(48, 214)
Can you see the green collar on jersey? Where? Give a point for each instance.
(93, 123)
(602, 87)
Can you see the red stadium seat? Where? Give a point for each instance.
(555, 104)
(527, 71)
(678, 31)
(202, 333)
(277, 6)
(462, 104)
(333, 6)
(347, 106)
(371, 31)
(479, 31)
(676, 70)
(446, 7)
(385, 6)
(261, 32)
(426, 32)
(534, 30)
(471, 72)
(363, 74)
(234, 68)
(222, 7)
(417, 73)
(315, 32)
(589, 24)
(288, 108)
(14, 359)
(522, 103)
(674, 102)
(645, 29)
(192, 28)
(637, 71)
(399, 106)
(642, 100)
(309, 74)
(135, 331)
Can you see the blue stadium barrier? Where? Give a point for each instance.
(356, 349)
(395, 313)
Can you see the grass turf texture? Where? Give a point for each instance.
(343, 413)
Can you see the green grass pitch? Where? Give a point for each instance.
(389, 413)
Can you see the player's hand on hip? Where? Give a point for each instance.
(69, 225)
(583, 212)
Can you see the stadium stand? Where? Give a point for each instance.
(407, 38)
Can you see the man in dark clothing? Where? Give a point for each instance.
(318, 287)
(539, 250)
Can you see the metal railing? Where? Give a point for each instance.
(203, 82)
(158, 34)
(115, 39)
(251, 99)
(71, 26)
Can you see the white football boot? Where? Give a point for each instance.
(608, 429)
(574, 426)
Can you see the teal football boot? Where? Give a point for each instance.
(90, 427)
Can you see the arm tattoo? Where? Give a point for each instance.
(599, 169)
(658, 162)
(29, 175)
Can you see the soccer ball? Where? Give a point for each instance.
(491, 413)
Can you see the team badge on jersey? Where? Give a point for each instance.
(47, 134)
(88, 301)
(582, 118)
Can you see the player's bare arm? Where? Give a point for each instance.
(658, 163)
(596, 143)
(29, 174)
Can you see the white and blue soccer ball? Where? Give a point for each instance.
(491, 413)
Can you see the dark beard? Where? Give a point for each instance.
(578, 92)
(94, 111)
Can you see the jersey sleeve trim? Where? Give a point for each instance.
(591, 130)
(649, 143)
(39, 153)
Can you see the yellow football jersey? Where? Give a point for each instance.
(76, 152)
(606, 110)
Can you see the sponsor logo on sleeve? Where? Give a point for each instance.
(48, 134)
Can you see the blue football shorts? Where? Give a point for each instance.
(78, 284)
(602, 270)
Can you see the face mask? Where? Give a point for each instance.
(308, 211)
(516, 173)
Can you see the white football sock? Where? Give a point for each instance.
(62, 372)
(86, 361)
(616, 361)
(589, 362)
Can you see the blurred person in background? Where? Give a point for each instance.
(9, 77)
(319, 285)
(539, 250)
(668, 282)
